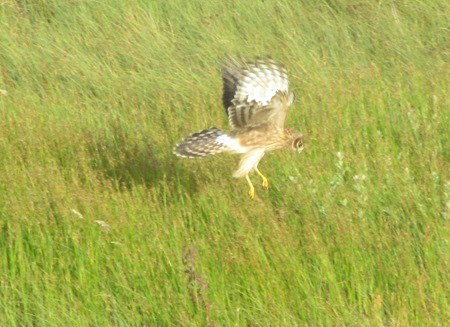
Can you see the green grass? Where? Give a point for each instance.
(354, 232)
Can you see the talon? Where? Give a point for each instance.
(265, 182)
(251, 193)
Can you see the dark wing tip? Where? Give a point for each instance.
(230, 73)
(232, 70)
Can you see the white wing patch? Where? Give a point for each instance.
(231, 143)
(263, 96)
(261, 82)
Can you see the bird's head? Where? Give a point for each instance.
(297, 144)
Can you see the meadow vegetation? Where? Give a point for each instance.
(100, 225)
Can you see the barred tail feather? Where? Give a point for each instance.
(202, 144)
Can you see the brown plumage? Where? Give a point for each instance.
(256, 99)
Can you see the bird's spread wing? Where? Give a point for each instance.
(255, 93)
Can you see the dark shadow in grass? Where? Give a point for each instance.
(127, 164)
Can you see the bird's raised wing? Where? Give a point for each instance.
(255, 93)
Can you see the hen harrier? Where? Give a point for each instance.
(256, 98)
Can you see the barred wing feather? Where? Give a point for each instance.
(255, 93)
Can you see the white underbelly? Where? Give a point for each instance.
(248, 162)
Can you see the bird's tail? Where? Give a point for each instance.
(202, 144)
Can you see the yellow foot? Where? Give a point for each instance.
(265, 183)
(251, 192)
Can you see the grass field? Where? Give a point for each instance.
(102, 226)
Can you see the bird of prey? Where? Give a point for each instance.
(256, 98)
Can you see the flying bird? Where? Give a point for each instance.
(256, 99)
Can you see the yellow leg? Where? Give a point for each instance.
(265, 183)
(251, 191)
